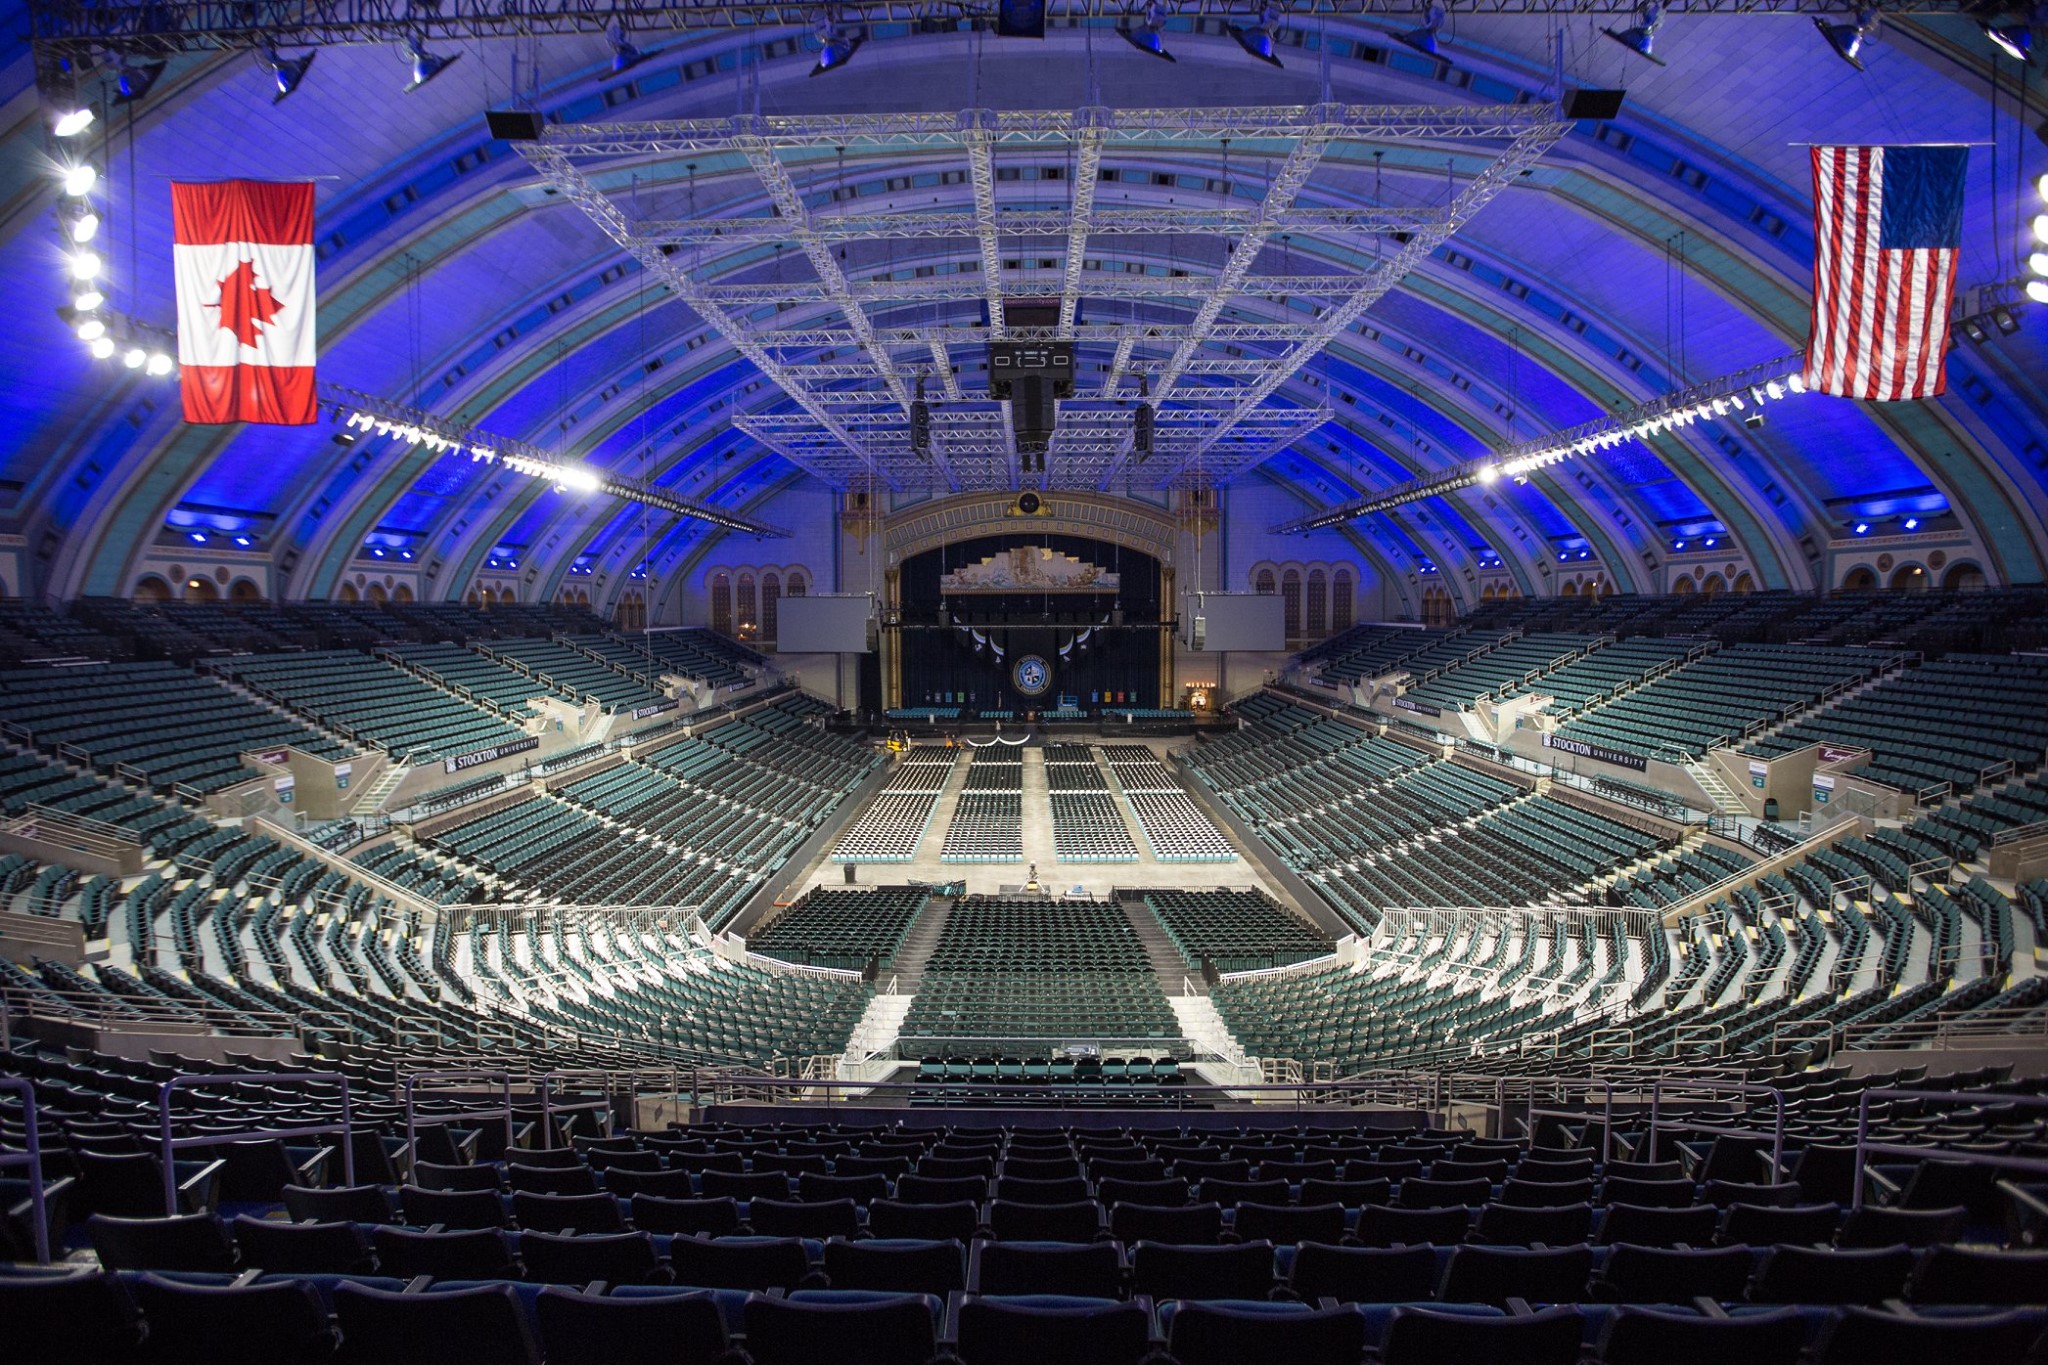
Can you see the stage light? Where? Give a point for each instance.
(198, 537)
(2041, 228)
(2037, 290)
(72, 122)
(1796, 382)
(79, 180)
(1911, 523)
(1678, 545)
(425, 65)
(2041, 188)
(2003, 318)
(1712, 541)
(102, 348)
(135, 82)
(85, 227)
(624, 54)
(91, 328)
(87, 298)
(244, 542)
(1862, 528)
(2014, 40)
(85, 265)
(836, 46)
(1257, 39)
(1847, 39)
(1642, 38)
(1489, 473)
(286, 72)
(133, 357)
(581, 478)
(2038, 263)
(158, 364)
(1424, 39)
(1150, 36)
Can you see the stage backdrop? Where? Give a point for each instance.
(1089, 609)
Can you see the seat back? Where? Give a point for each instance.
(757, 1263)
(68, 1317)
(191, 1241)
(661, 1330)
(1228, 1333)
(787, 1218)
(901, 1267)
(893, 1218)
(1090, 1270)
(484, 1323)
(710, 1217)
(1429, 1336)
(1648, 1336)
(463, 1254)
(563, 1212)
(302, 1248)
(1286, 1224)
(254, 1324)
(616, 1258)
(1242, 1271)
(1363, 1274)
(1801, 1274)
(1035, 1329)
(452, 1208)
(892, 1329)
(1495, 1274)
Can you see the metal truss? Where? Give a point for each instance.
(842, 351)
(167, 26)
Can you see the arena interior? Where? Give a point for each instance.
(1086, 681)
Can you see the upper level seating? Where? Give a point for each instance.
(1720, 698)
(833, 928)
(470, 674)
(1038, 969)
(370, 701)
(176, 727)
(1599, 675)
(1506, 665)
(1962, 829)
(32, 630)
(708, 657)
(1946, 722)
(1234, 930)
(1370, 651)
(570, 670)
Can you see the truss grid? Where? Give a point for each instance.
(1214, 342)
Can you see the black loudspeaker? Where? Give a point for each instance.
(1020, 19)
(1593, 104)
(850, 879)
(514, 125)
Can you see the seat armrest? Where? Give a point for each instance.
(200, 1191)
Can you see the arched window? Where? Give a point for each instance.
(721, 602)
(771, 597)
(1683, 587)
(150, 588)
(1911, 578)
(474, 599)
(744, 606)
(1713, 587)
(1743, 584)
(1290, 602)
(401, 593)
(1569, 590)
(348, 594)
(377, 593)
(1265, 584)
(244, 590)
(1318, 603)
(1963, 578)
(797, 587)
(1862, 578)
(1340, 601)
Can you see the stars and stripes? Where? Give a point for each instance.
(1887, 225)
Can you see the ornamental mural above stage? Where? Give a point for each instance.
(1030, 568)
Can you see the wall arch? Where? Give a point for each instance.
(1862, 578)
(1963, 577)
(201, 589)
(244, 590)
(1911, 578)
(150, 588)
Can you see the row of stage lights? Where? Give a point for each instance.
(566, 477)
(2037, 262)
(106, 334)
(1706, 410)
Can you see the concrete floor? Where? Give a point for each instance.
(1093, 879)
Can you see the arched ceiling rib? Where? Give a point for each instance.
(431, 246)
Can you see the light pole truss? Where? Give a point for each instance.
(854, 353)
(167, 26)
(1090, 436)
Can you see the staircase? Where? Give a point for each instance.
(1204, 1027)
(1168, 966)
(908, 964)
(374, 795)
(1724, 798)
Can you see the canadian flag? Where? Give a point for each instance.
(244, 267)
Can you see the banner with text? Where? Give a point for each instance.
(505, 750)
(1599, 753)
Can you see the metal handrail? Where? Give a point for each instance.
(1723, 1087)
(33, 1159)
(413, 1120)
(170, 1144)
(1865, 1147)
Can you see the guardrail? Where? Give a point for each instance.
(1704, 1085)
(32, 1157)
(1866, 1148)
(413, 1118)
(169, 1143)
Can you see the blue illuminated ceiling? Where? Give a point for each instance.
(1667, 246)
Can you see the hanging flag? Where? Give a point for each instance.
(1887, 224)
(244, 254)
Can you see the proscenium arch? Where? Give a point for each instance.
(930, 525)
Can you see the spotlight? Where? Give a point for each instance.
(244, 542)
(85, 227)
(2038, 262)
(2037, 290)
(425, 65)
(91, 329)
(1149, 36)
(87, 299)
(1712, 541)
(1754, 420)
(79, 180)
(102, 348)
(2002, 317)
(286, 72)
(158, 364)
(1974, 330)
(582, 479)
(135, 82)
(72, 122)
(1424, 39)
(1641, 38)
(624, 54)
(85, 265)
(1911, 523)
(835, 47)
(2041, 228)
(1489, 473)
(1257, 39)
(2014, 40)
(1847, 39)
(1678, 545)
(133, 357)
(1862, 528)
(198, 537)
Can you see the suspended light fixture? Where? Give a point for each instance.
(158, 364)
(1258, 39)
(84, 227)
(1150, 35)
(624, 54)
(85, 265)
(133, 357)
(87, 299)
(425, 65)
(72, 122)
(2014, 39)
(1641, 38)
(286, 72)
(79, 179)
(135, 82)
(1847, 39)
(1424, 39)
(102, 347)
(836, 45)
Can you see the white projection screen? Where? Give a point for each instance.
(823, 624)
(1234, 620)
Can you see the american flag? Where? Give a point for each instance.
(1887, 223)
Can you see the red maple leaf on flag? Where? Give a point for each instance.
(244, 304)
